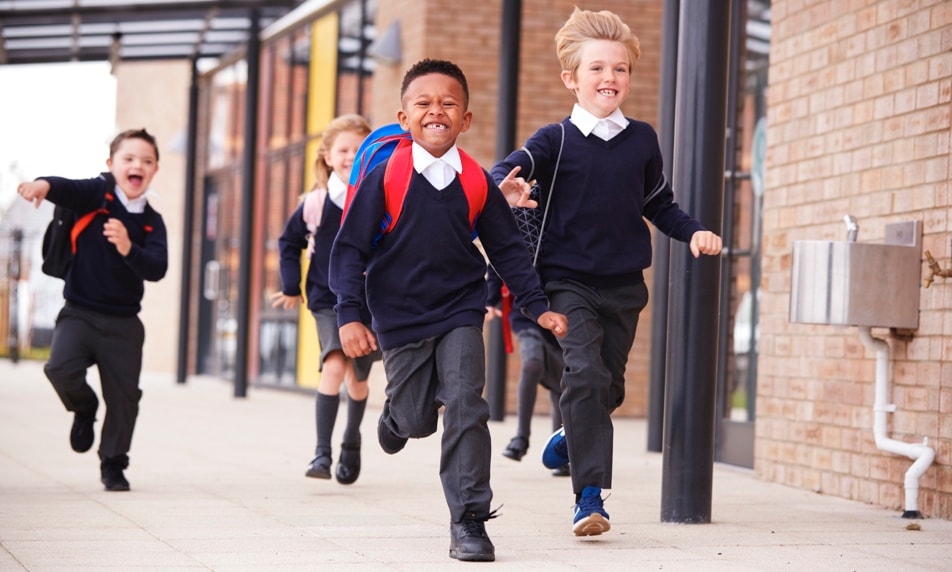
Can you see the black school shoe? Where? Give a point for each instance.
(82, 434)
(348, 467)
(469, 541)
(390, 443)
(320, 467)
(516, 449)
(111, 471)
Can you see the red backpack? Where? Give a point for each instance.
(392, 144)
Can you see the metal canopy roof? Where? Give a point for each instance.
(47, 31)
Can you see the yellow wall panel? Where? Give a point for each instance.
(321, 104)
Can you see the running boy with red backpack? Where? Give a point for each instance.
(426, 290)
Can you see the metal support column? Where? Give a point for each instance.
(15, 274)
(188, 222)
(690, 395)
(249, 162)
(660, 265)
(511, 23)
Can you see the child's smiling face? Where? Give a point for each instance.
(603, 77)
(434, 111)
(340, 157)
(133, 165)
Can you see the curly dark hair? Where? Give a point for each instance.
(428, 66)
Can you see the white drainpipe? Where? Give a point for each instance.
(922, 454)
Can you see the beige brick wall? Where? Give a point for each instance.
(470, 37)
(859, 123)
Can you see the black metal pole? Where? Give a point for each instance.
(510, 26)
(688, 455)
(362, 57)
(188, 227)
(247, 205)
(14, 270)
(660, 265)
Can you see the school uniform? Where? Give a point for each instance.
(595, 247)
(541, 357)
(99, 323)
(316, 239)
(426, 291)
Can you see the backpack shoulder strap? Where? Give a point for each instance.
(474, 184)
(314, 208)
(373, 150)
(82, 222)
(396, 181)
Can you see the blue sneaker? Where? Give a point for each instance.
(555, 454)
(590, 516)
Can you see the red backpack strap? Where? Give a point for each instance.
(506, 304)
(82, 222)
(396, 181)
(375, 149)
(474, 184)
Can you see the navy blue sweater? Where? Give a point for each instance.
(596, 233)
(99, 277)
(293, 240)
(427, 276)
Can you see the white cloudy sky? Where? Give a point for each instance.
(55, 119)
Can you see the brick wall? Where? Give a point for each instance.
(859, 123)
(470, 37)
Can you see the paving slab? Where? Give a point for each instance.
(218, 484)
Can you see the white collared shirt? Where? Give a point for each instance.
(604, 128)
(336, 190)
(136, 205)
(439, 171)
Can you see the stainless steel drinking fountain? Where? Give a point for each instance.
(847, 283)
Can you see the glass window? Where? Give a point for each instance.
(745, 192)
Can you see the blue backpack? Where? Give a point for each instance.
(392, 144)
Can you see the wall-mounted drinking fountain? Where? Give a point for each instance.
(847, 283)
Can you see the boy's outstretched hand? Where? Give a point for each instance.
(516, 189)
(357, 340)
(705, 242)
(556, 323)
(34, 191)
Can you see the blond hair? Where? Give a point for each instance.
(584, 25)
(350, 122)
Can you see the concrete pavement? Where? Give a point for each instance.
(218, 484)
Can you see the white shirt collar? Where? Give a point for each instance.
(439, 171)
(336, 190)
(422, 158)
(136, 205)
(587, 123)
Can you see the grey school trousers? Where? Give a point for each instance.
(83, 337)
(450, 371)
(602, 324)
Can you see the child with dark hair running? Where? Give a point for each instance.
(123, 246)
(312, 228)
(596, 244)
(426, 290)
